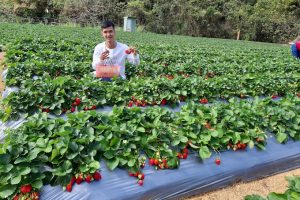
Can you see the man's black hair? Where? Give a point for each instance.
(106, 24)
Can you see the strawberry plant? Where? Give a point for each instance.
(54, 76)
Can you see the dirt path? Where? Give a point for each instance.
(1, 69)
(276, 183)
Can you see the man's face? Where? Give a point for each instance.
(109, 34)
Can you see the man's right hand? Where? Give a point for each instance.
(104, 55)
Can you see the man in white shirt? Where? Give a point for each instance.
(111, 52)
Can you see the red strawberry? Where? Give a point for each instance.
(164, 161)
(274, 96)
(179, 155)
(204, 101)
(170, 77)
(144, 103)
(72, 109)
(151, 161)
(26, 188)
(131, 174)
(94, 107)
(163, 102)
(74, 103)
(184, 155)
(34, 196)
(16, 197)
(243, 146)
(136, 174)
(79, 179)
(88, 178)
(185, 150)
(130, 104)
(141, 176)
(141, 182)
(46, 110)
(128, 51)
(139, 102)
(77, 100)
(97, 176)
(156, 162)
(207, 125)
(73, 179)
(218, 161)
(182, 98)
(69, 188)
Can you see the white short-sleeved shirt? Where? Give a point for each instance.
(117, 56)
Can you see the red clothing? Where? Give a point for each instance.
(298, 45)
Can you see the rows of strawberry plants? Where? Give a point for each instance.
(68, 51)
(173, 69)
(57, 96)
(61, 152)
(27, 57)
(30, 57)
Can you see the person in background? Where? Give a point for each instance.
(295, 47)
(111, 52)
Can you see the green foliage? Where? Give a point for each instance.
(51, 66)
(172, 68)
(50, 151)
(258, 20)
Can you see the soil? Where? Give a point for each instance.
(238, 191)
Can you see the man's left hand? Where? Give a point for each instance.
(133, 50)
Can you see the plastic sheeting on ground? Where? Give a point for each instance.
(9, 124)
(104, 109)
(4, 74)
(193, 176)
(9, 90)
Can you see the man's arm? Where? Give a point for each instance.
(96, 57)
(133, 57)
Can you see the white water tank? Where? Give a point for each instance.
(129, 24)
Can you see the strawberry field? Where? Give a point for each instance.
(231, 95)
